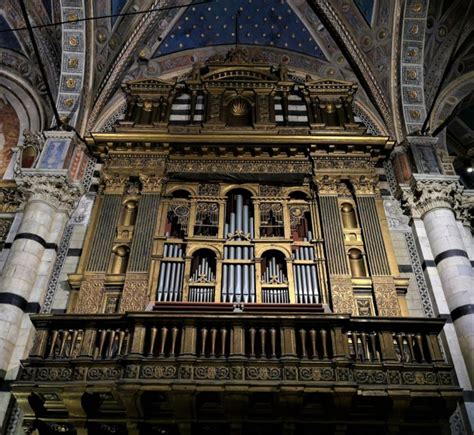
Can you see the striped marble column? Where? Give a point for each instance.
(432, 198)
(50, 199)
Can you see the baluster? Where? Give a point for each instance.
(355, 343)
(153, 332)
(103, 334)
(273, 341)
(314, 352)
(54, 337)
(121, 337)
(213, 342)
(65, 335)
(73, 343)
(365, 350)
(253, 333)
(111, 343)
(223, 341)
(263, 334)
(164, 335)
(419, 343)
(174, 335)
(373, 344)
(203, 341)
(399, 339)
(409, 338)
(324, 341)
(303, 343)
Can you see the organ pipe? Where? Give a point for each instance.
(306, 283)
(170, 283)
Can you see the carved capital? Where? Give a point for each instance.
(426, 193)
(114, 183)
(152, 183)
(326, 185)
(465, 208)
(365, 185)
(54, 188)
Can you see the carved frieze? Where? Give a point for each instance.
(365, 185)
(241, 166)
(327, 185)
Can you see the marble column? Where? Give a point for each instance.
(49, 200)
(433, 198)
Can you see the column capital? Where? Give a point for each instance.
(365, 185)
(113, 183)
(427, 192)
(53, 187)
(326, 184)
(465, 209)
(152, 183)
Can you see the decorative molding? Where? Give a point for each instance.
(73, 62)
(364, 185)
(114, 183)
(427, 192)
(327, 185)
(411, 65)
(239, 166)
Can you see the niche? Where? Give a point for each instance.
(120, 259)
(239, 113)
(203, 266)
(349, 220)
(129, 214)
(356, 262)
(274, 268)
(239, 215)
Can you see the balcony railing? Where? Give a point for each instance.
(242, 344)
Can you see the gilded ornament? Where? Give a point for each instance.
(415, 114)
(412, 52)
(101, 36)
(73, 41)
(71, 83)
(72, 18)
(414, 30)
(411, 74)
(412, 94)
(417, 7)
(147, 106)
(73, 62)
(69, 102)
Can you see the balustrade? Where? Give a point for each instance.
(253, 336)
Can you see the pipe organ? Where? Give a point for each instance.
(251, 204)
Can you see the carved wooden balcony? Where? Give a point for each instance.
(225, 348)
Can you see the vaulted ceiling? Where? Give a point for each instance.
(375, 43)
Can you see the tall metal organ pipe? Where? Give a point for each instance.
(170, 282)
(238, 277)
(306, 282)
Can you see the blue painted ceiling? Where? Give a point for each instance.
(261, 22)
(8, 39)
(366, 7)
